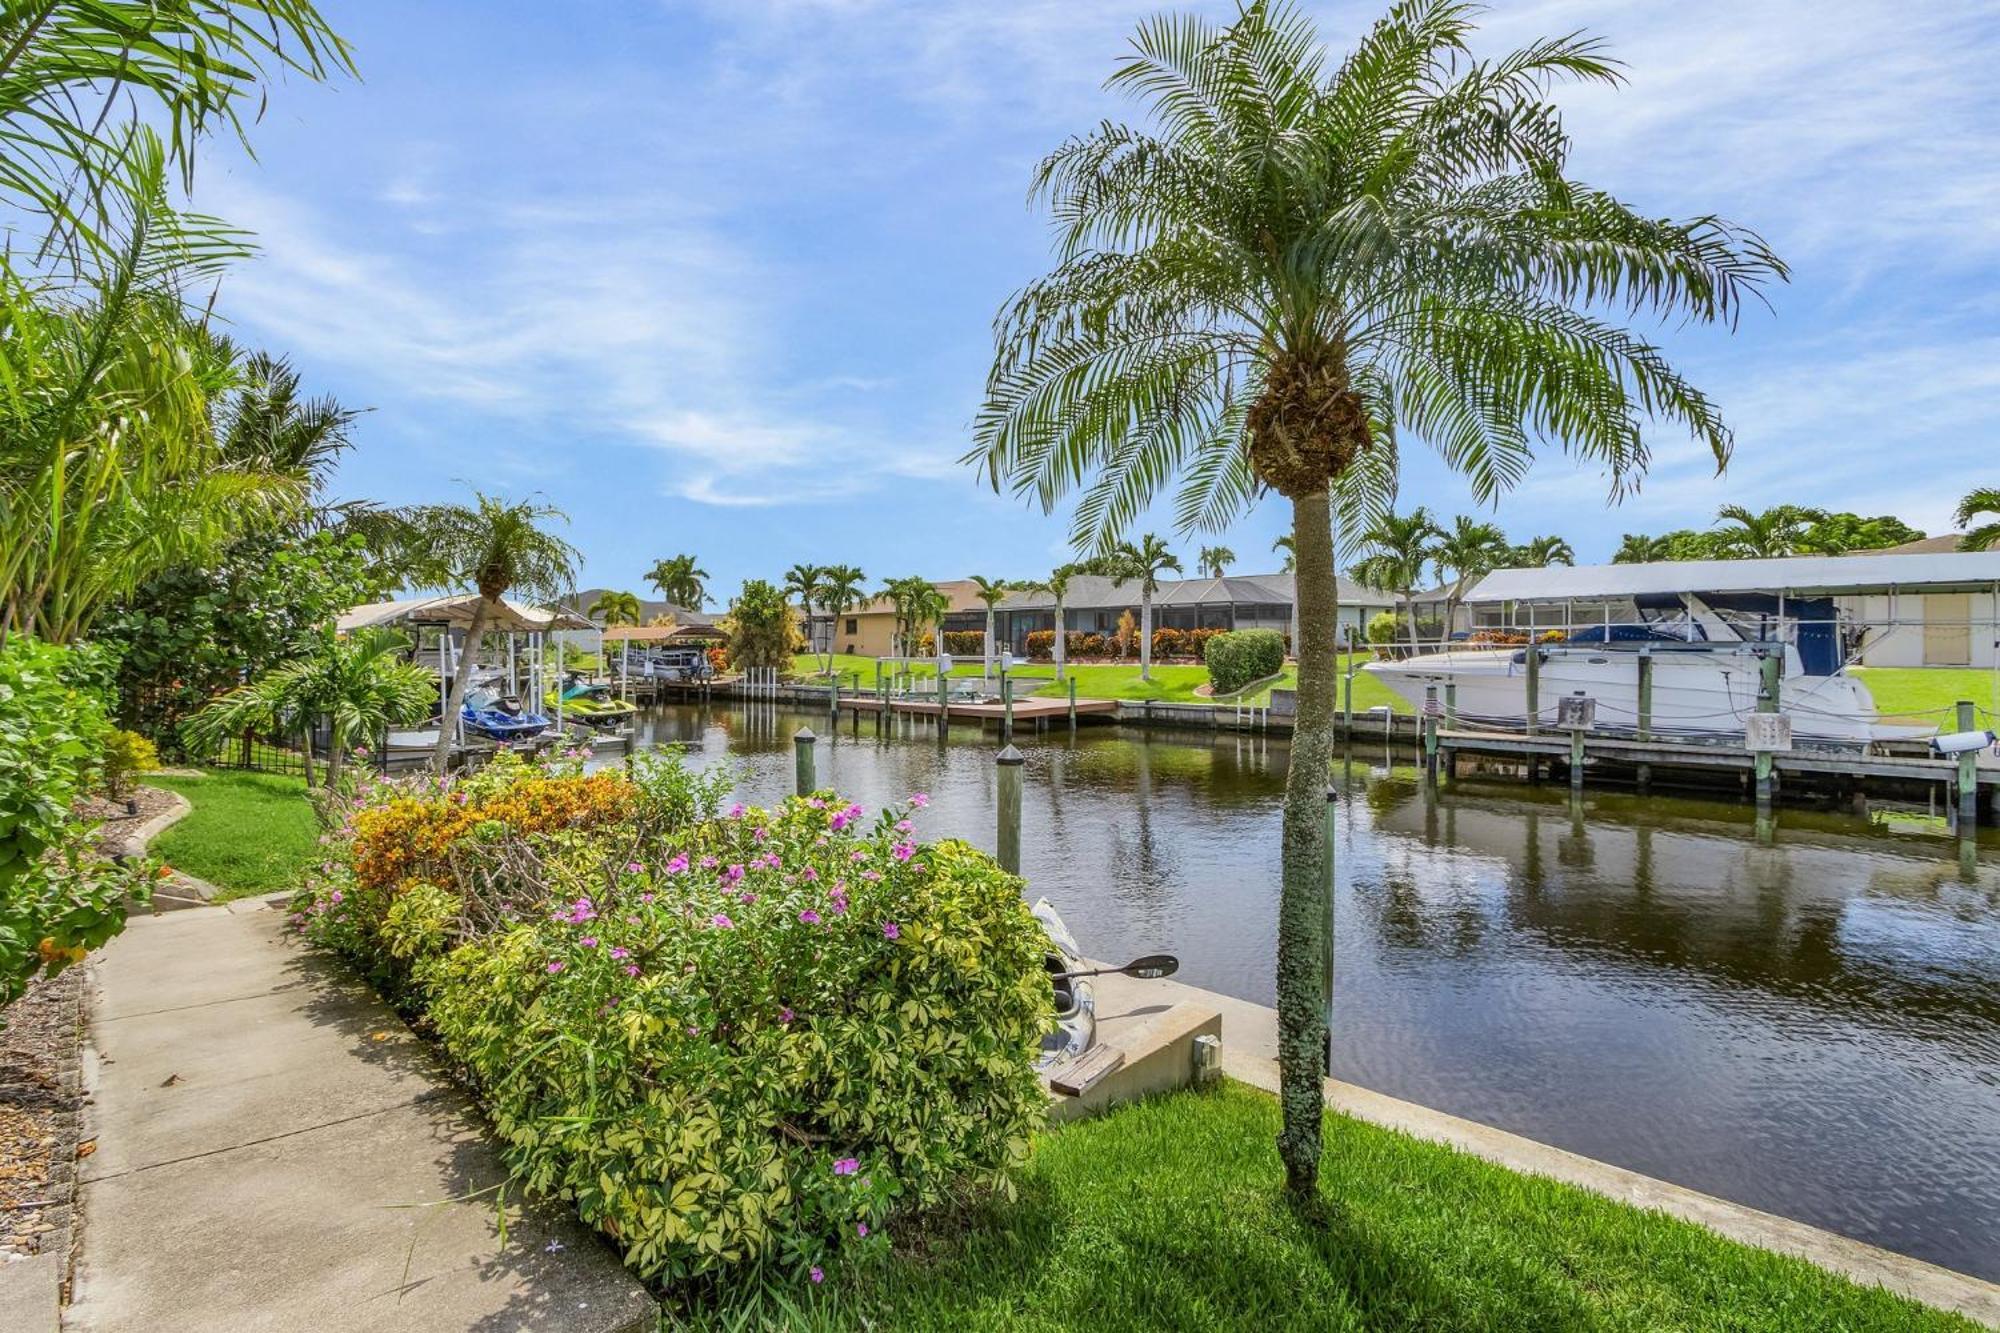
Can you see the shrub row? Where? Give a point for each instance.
(728, 1038)
(1236, 659)
(957, 642)
(1189, 644)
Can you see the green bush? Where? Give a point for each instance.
(1236, 659)
(126, 755)
(738, 1039)
(1383, 627)
(57, 898)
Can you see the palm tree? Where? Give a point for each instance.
(928, 608)
(1056, 585)
(1284, 544)
(615, 608)
(1541, 552)
(1215, 561)
(1145, 562)
(681, 581)
(904, 596)
(1471, 548)
(1300, 261)
(992, 592)
(805, 583)
(1980, 500)
(498, 548)
(1398, 547)
(357, 682)
(1780, 530)
(1638, 549)
(841, 590)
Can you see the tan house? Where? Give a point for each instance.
(869, 630)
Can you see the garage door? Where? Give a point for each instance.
(1948, 629)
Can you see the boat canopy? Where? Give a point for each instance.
(1811, 575)
(456, 611)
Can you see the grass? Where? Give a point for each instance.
(1168, 1215)
(1927, 693)
(249, 833)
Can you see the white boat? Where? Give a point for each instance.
(1706, 654)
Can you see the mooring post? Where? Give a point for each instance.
(1576, 759)
(1451, 703)
(1347, 706)
(1007, 845)
(943, 697)
(1072, 705)
(1645, 694)
(1428, 730)
(802, 761)
(1968, 775)
(1007, 708)
(1767, 702)
(1534, 663)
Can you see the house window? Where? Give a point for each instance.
(852, 626)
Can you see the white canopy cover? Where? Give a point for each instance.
(1806, 575)
(456, 611)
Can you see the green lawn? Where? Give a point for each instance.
(249, 833)
(1927, 693)
(1170, 683)
(1167, 1215)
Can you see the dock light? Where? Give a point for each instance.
(1959, 742)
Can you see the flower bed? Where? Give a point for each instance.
(749, 1037)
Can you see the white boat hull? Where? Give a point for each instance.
(1699, 695)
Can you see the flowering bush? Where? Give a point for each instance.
(741, 1037)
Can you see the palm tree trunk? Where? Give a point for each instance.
(1145, 634)
(306, 751)
(333, 755)
(1305, 898)
(986, 669)
(1061, 646)
(448, 724)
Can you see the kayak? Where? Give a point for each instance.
(1075, 997)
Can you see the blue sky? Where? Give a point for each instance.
(719, 277)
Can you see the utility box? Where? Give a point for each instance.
(1575, 712)
(1767, 733)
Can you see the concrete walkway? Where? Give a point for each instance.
(276, 1151)
(1250, 1053)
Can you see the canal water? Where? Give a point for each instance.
(1807, 1023)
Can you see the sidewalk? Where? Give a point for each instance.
(276, 1151)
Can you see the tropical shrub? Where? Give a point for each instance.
(741, 1038)
(1198, 640)
(763, 629)
(1383, 627)
(1092, 645)
(957, 642)
(126, 755)
(1235, 659)
(1125, 643)
(58, 899)
(1042, 645)
(1169, 643)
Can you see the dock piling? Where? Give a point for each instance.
(1534, 664)
(1007, 704)
(1007, 845)
(802, 762)
(1767, 702)
(1645, 694)
(1968, 775)
(1072, 705)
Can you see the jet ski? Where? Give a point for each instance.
(591, 702)
(487, 713)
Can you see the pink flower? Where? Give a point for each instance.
(859, 856)
(861, 1229)
(588, 941)
(760, 833)
(871, 875)
(846, 1166)
(645, 897)
(631, 969)
(678, 864)
(721, 921)
(555, 967)
(746, 898)
(818, 1275)
(708, 863)
(890, 930)
(810, 917)
(815, 803)
(785, 1015)
(919, 799)
(904, 826)
(903, 851)
(335, 896)
(736, 811)
(621, 952)
(731, 875)
(809, 873)
(845, 817)
(633, 867)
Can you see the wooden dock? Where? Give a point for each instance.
(1028, 711)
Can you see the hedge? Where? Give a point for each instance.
(1237, 658)
(741, 1038)
(957, 642)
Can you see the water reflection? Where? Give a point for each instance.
(1808, 1022)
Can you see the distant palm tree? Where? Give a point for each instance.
(841, 590)
(681, 581)
(1470, 549)
(907, 597)
(1542, 552)
(1215, 561)
(1398, 548)
(498, 548)
(805, 583)
(357, 682)
(1056, 585)
(1982, 500)
(992, 592)
(928, 608)
(1780, 530)
(614, 608)
(1144, 561)
(1638, 549)
(1284, 544)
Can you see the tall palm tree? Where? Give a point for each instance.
(992, 592)
(1471, 548)
(1780, 530)
(614, 608)
(1636, 548)
(903, 594)
(357, 682)
(1980, 500)
(1215, 561)
(1398, 549)
(1298, 263)
(841, 590)
(497, 548)
(681, 581)
(1143, 561)
(1284, 544)
(804, 582)
(1056, 585)
(1541, 552)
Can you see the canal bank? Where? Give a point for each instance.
(1804, 1023)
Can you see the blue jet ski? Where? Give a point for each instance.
(487, 713)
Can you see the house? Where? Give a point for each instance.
(1095, 603)
(869, 630)
(651, 611)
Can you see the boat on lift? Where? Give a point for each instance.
(591, 702)
(500, 717)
